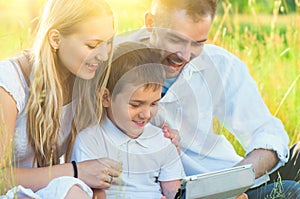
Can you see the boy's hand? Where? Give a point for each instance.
(173, 135)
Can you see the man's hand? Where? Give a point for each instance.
(242, 196)
(262, 160)
(173, 135)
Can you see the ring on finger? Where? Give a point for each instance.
(110, 179)
(106, 171)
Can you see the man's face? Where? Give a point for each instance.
(181, 38)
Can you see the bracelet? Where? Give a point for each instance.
(75, 169)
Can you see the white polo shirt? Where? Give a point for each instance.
(146, 160)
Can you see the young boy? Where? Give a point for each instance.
(151, 164)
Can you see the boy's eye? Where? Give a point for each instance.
(154, 104)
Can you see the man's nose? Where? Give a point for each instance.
(185, 53)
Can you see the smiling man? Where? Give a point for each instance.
(207, 83)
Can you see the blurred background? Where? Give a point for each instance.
(265, 34)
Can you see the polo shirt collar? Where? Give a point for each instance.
(119, 138)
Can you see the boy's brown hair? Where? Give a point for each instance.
(136, 64)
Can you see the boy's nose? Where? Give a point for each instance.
(145, 113)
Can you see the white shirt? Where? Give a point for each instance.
(12, 81)
(146, 160)
(218, 85)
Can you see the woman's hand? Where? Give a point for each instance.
(173, 135)
(99, 173)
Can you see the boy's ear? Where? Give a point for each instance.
(149, 21)
(106, 99)
(54, 37)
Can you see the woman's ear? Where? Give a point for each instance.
(149, 20)
(54, 39)
(106, 99)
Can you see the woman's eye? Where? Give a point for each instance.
(91, 46)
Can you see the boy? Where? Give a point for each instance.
(151, 164)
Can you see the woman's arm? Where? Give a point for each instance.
(170, 188)
(93, 172)
(8, 116)
(34, 178)
(99, 194)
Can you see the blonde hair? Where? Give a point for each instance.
(45, 101)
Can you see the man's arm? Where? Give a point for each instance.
(262, 160)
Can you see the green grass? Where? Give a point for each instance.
(270, 47)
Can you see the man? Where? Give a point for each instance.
(206, 83)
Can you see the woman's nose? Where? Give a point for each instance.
(102, 52)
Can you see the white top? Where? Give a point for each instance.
(13, 81)
(146, 160)
(217, 85)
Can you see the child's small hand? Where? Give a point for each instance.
(173, 135)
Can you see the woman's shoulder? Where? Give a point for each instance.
(13, 82)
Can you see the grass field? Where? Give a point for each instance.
(268, 44)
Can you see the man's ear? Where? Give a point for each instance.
(54, 37)
(149, 21)
(106, 99)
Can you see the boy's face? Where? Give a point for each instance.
(133, 108)
(182, 38)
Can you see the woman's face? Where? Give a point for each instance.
(84, 51)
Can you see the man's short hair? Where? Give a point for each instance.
(196, 9)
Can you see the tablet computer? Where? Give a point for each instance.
(222, 184)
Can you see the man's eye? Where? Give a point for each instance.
(196, 44)
(174, 40)
(134, 105)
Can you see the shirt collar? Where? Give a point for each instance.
(119, 138)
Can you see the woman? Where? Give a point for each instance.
(36, 106)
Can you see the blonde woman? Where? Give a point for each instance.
(39, 113)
